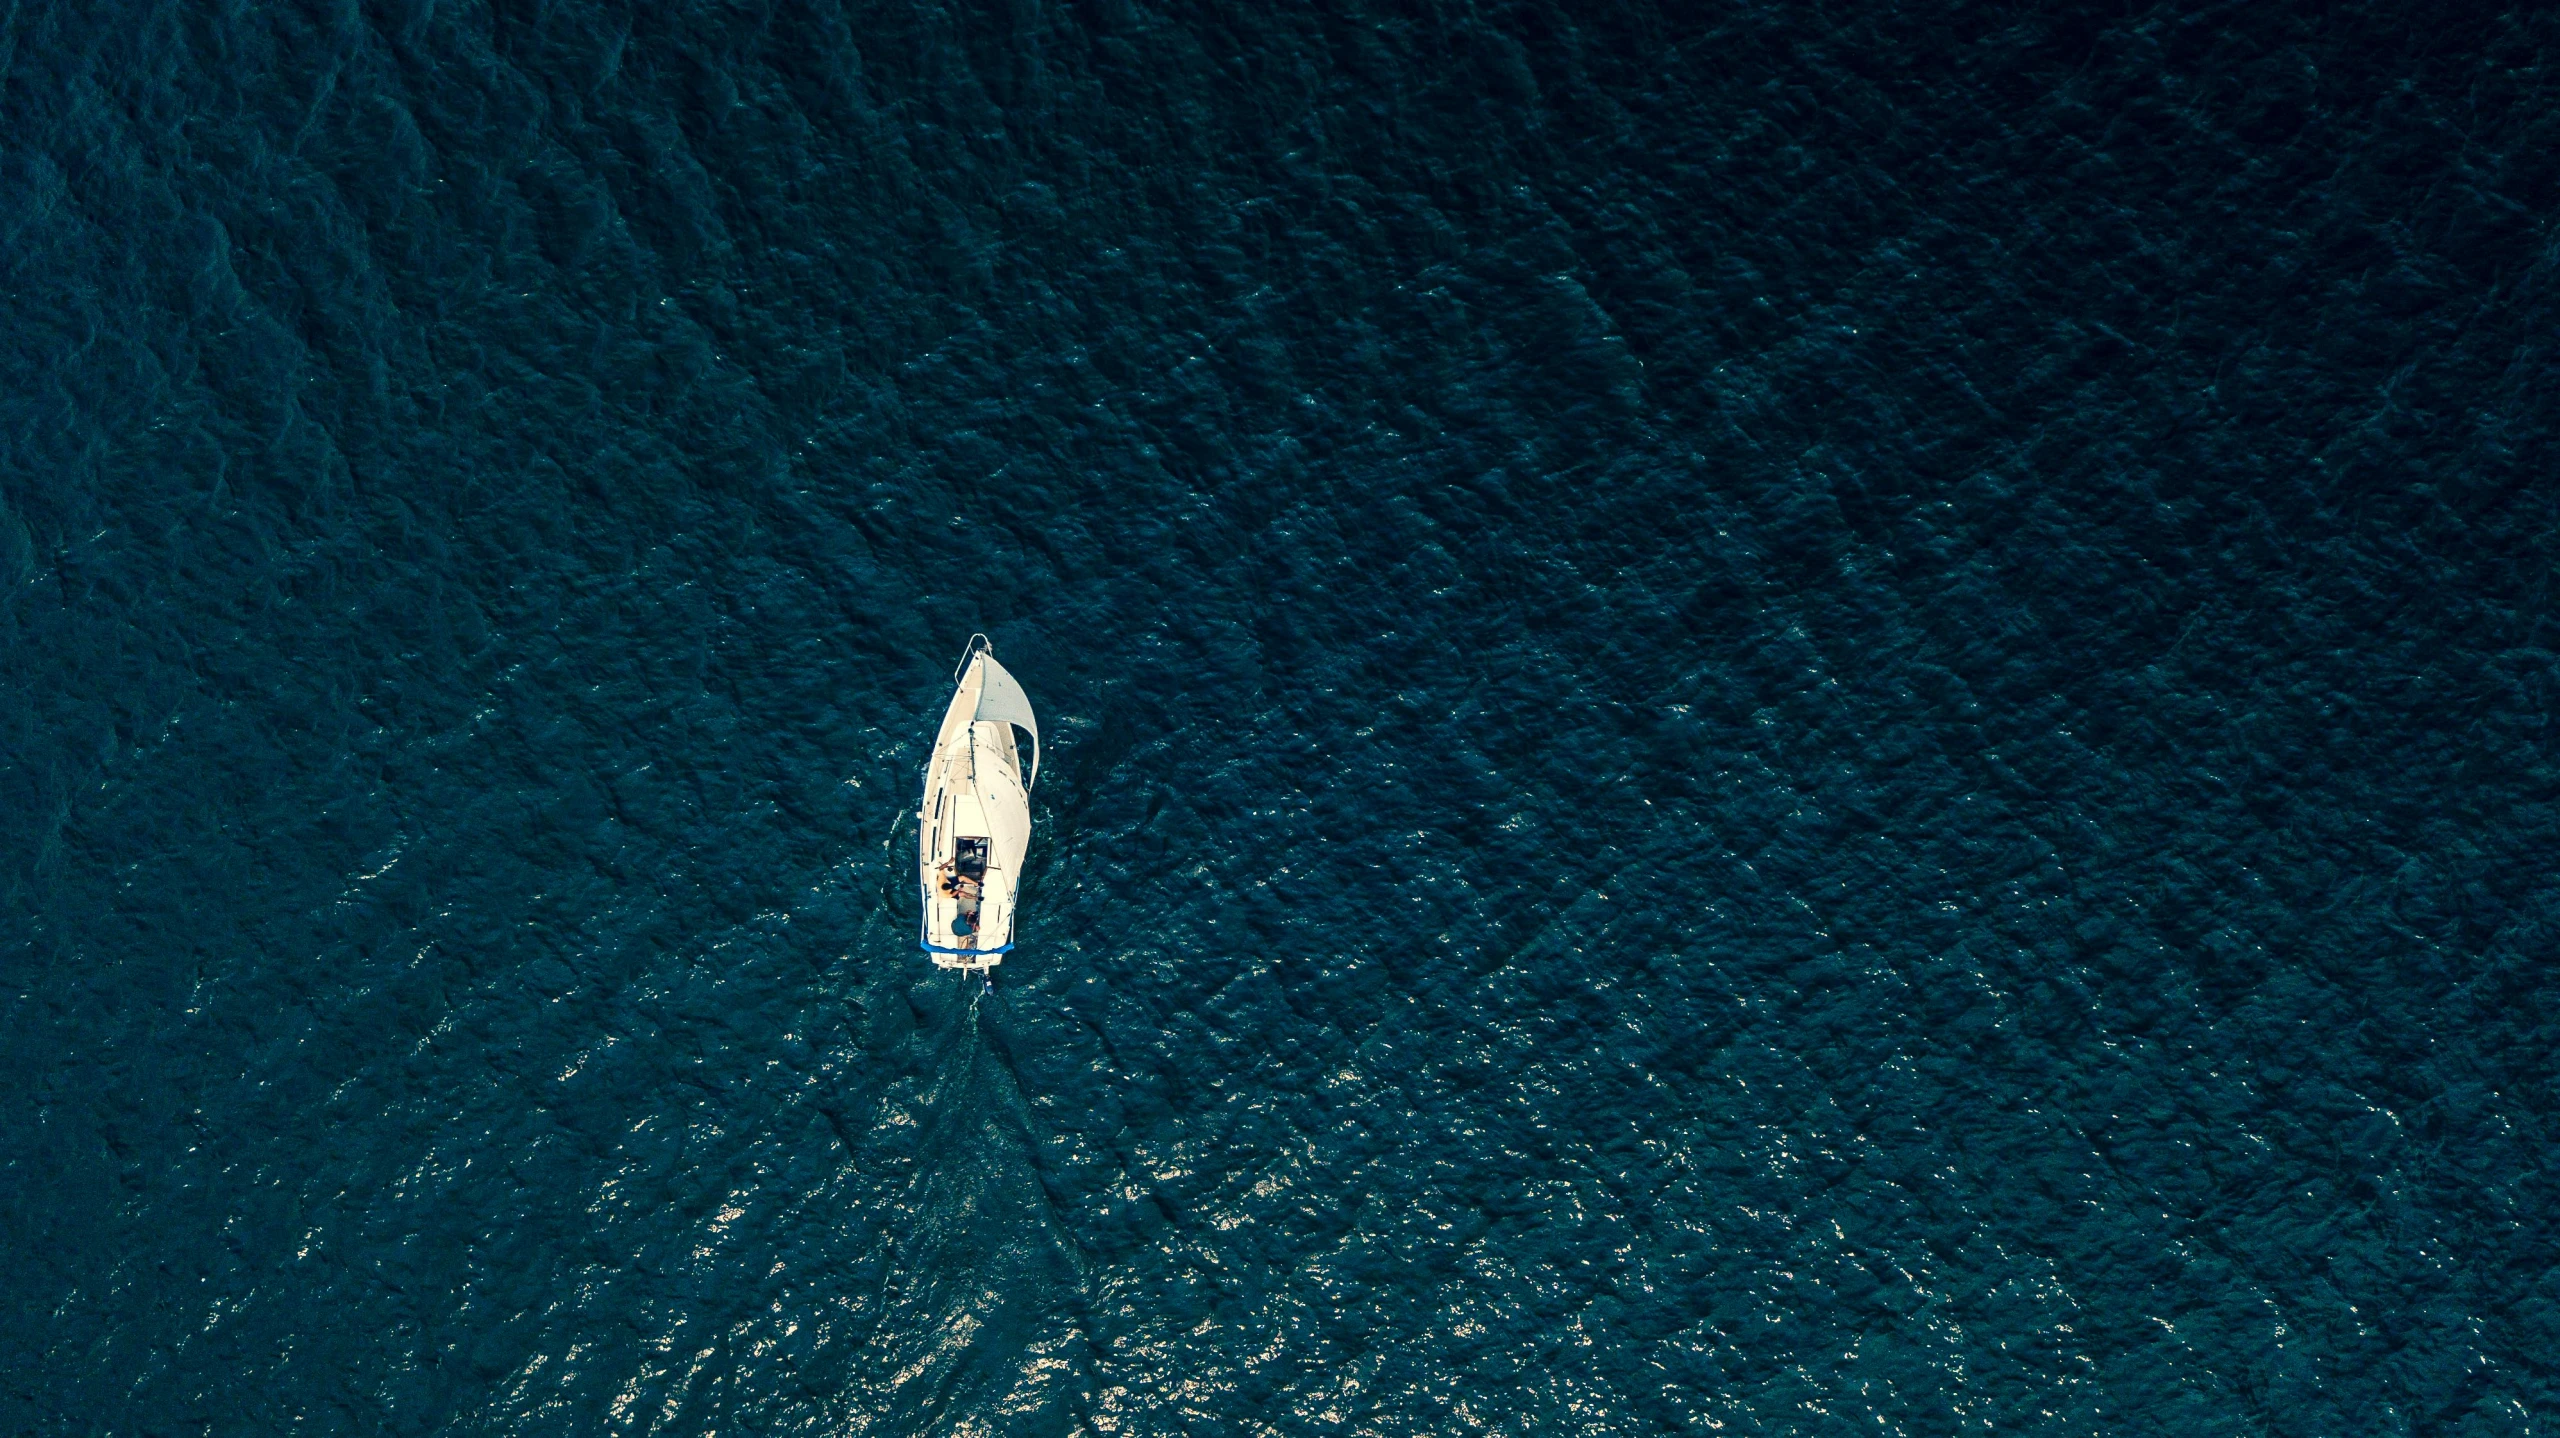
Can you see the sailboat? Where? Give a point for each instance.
(975, 821)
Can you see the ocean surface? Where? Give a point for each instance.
(1762, 718)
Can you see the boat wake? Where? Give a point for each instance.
(984, 1300)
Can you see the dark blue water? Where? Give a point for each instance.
(1762, 719)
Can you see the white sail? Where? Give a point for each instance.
(1001, 701)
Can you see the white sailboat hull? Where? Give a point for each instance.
(974, 825)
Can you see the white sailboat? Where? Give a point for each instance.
(975, 821)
